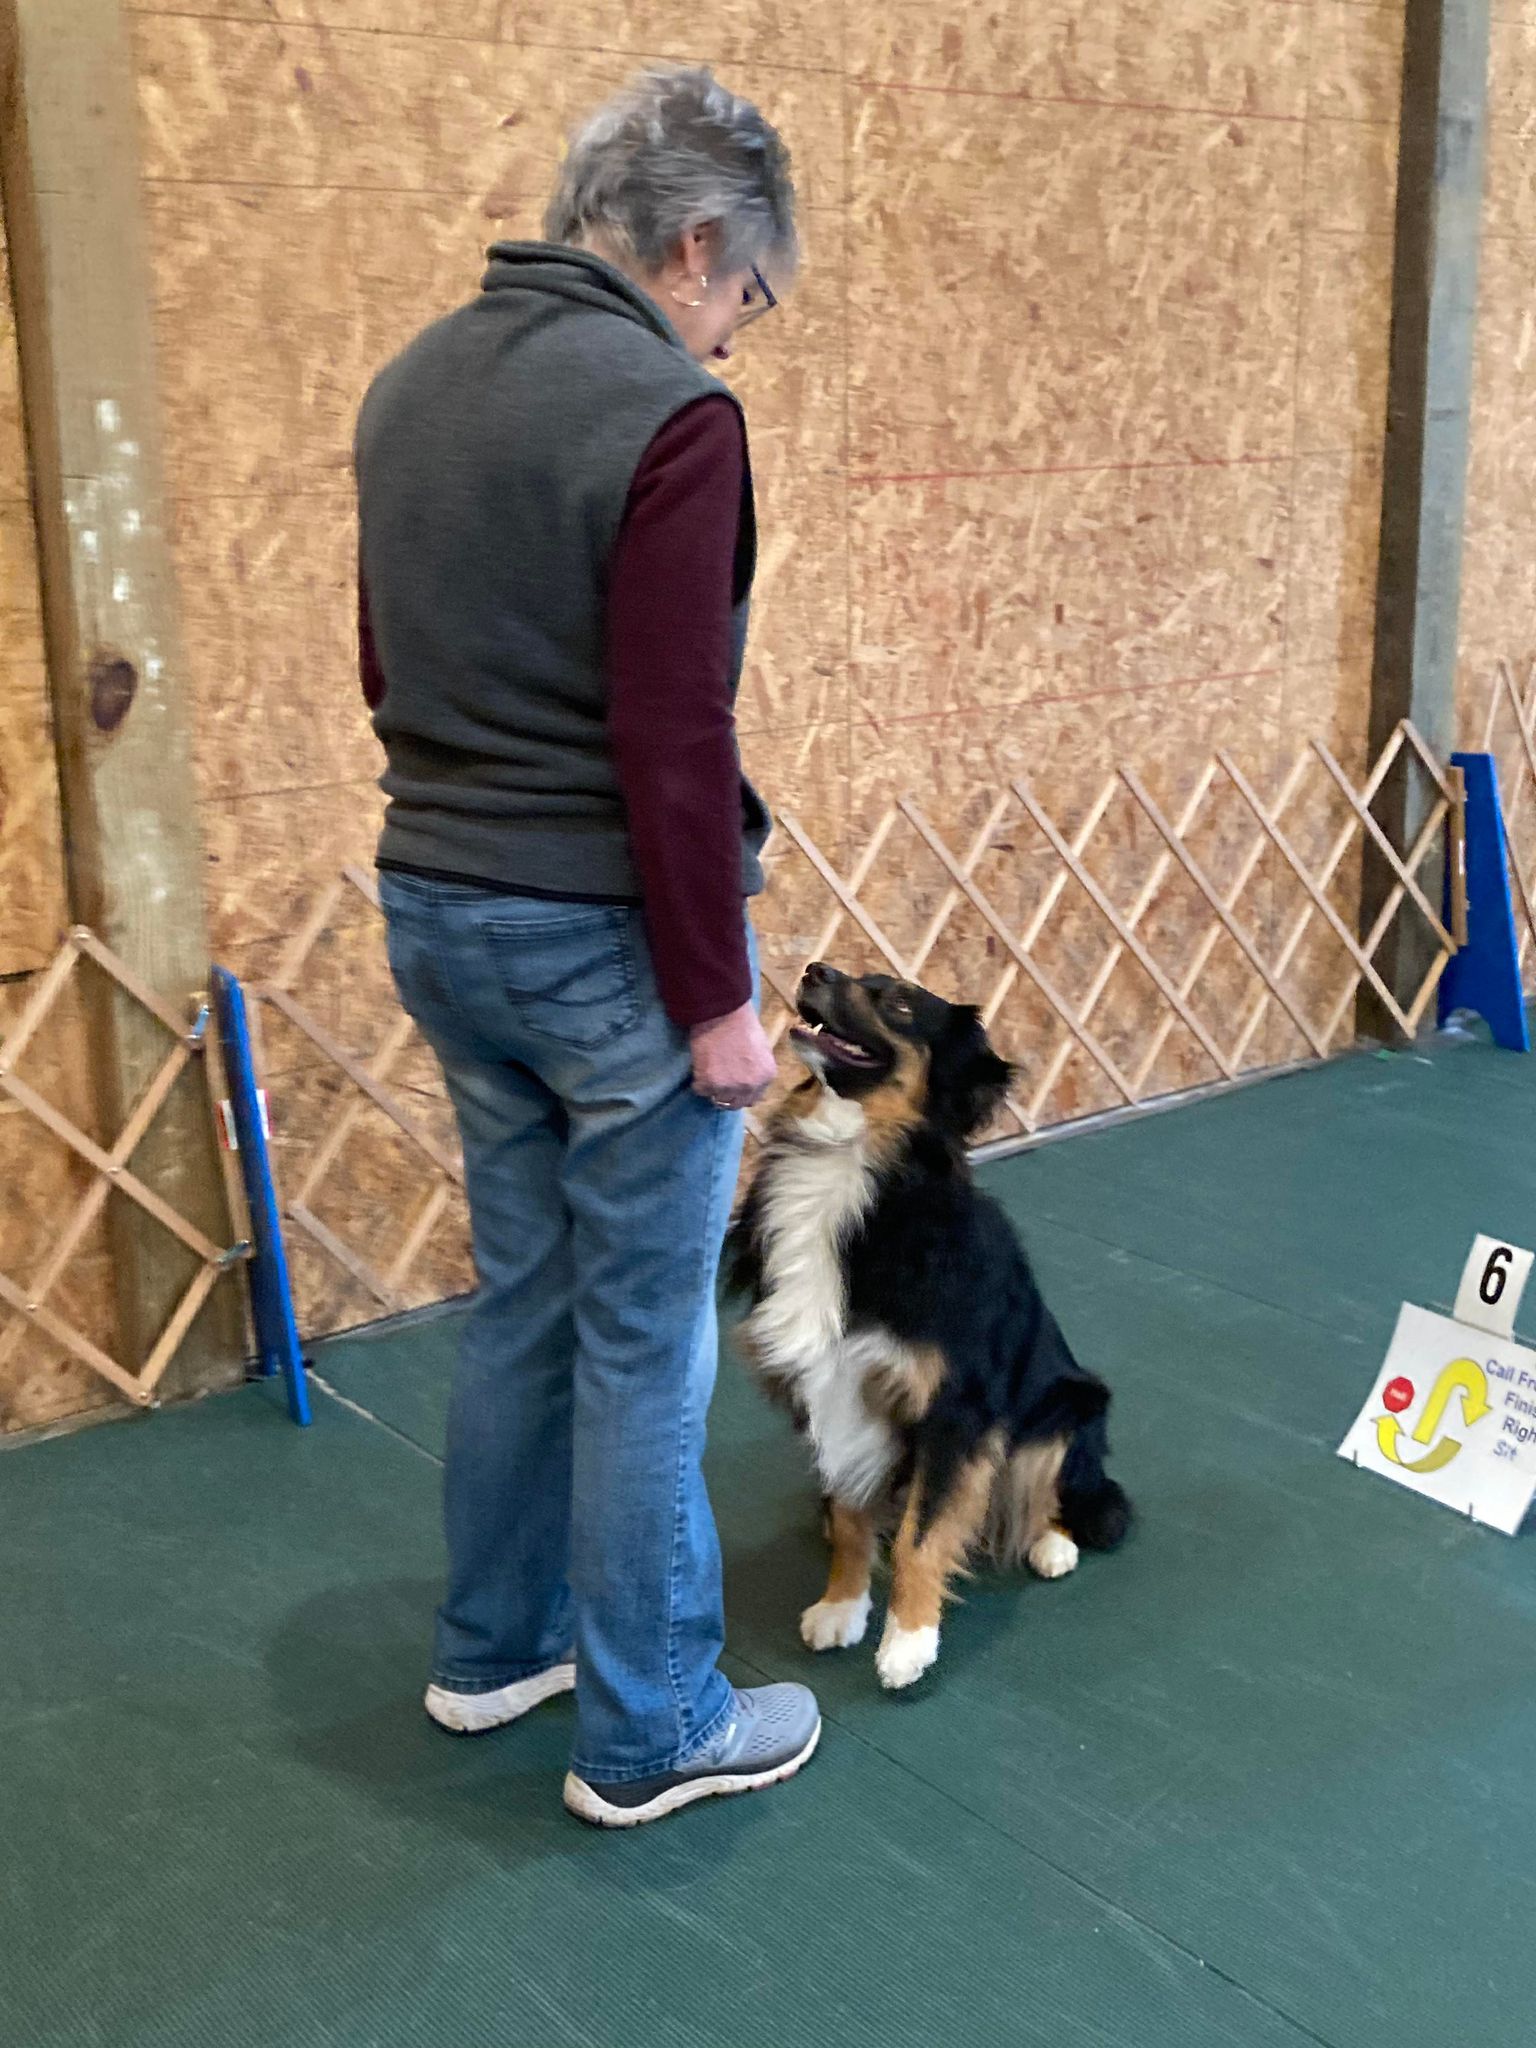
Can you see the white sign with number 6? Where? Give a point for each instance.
(1492, 1282)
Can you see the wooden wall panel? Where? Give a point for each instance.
(739, 33)
(268, 851)
(289, 718)
(473, 19)
(1218, 55)
(1067, 446)
(1050, 585)
(1356, 61)
(1129, 311)
(1351, 177)
(32, 904)
(1341, 370)
(1343, 332)
(1335, 528)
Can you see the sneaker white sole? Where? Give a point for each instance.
(477, 1713)
(588, 1804)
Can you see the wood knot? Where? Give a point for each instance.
(114, 684)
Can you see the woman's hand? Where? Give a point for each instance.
(733, 1063)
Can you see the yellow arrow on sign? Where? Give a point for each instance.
(1462, 1376)
(1387, 1440)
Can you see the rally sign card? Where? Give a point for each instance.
(1452, 1413)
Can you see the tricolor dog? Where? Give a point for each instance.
(894, 1313)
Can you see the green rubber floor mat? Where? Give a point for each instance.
(1263, 1777)
(226, 1820)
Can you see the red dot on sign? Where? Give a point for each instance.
(1397, 1394)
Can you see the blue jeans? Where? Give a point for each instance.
(599, 1191)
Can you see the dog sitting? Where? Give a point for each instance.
(894, 1313)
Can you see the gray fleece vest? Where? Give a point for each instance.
(494, 458)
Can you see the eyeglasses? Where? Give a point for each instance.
(756, 300)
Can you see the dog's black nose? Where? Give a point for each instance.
(819, 974)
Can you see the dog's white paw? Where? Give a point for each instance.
(905, 1654)
(1053, 1556)
(835, 1624)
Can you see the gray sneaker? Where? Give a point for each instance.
(474, 1713)
(773, 1731)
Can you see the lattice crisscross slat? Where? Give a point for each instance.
(1066, 1043)
(1124, 931)
(1446, 815)
(1318, 1014)
(111, 1168)
(1110, 1011)
(369, 1079)
(907, 967)
(1211, 937)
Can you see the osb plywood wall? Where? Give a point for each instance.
(1068, 444)
(1498, 616)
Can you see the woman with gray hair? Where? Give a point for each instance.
(556, 551)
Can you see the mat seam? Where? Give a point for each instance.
(1091, 1891)
(1062, 1871)
(1201, 1279)
(1037, 1856)
(356, 1408)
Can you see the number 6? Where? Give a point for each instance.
(1495, 1273)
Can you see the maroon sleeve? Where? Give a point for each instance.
(369, 671)
(671, 723)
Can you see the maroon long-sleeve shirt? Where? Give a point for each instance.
(671, 722)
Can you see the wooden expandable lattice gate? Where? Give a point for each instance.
(1319, 1013)
(368, 1085)
(1130, 944)
(109, 1171)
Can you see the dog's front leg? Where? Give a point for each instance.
(839, 1618)
(930, 1548)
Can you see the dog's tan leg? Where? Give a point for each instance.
(1050, 1551)
(839, 1618)
(923, 1561)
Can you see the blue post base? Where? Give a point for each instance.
(1485, 975)
(277, 1333)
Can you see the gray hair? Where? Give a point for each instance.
(671, 152)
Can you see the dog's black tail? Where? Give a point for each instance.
(1094, 1511)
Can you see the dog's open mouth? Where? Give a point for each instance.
(843, 1052)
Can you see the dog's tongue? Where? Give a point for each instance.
(844, 1047)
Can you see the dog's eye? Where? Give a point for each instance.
(899, 1005)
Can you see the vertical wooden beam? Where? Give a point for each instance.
(70, 177)
(1429, 399)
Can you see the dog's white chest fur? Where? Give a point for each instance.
(816, 1195)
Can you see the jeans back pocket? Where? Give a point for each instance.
(568, 972)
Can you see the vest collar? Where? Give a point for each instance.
(576, 275)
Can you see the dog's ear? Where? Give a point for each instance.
(967, 1079)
